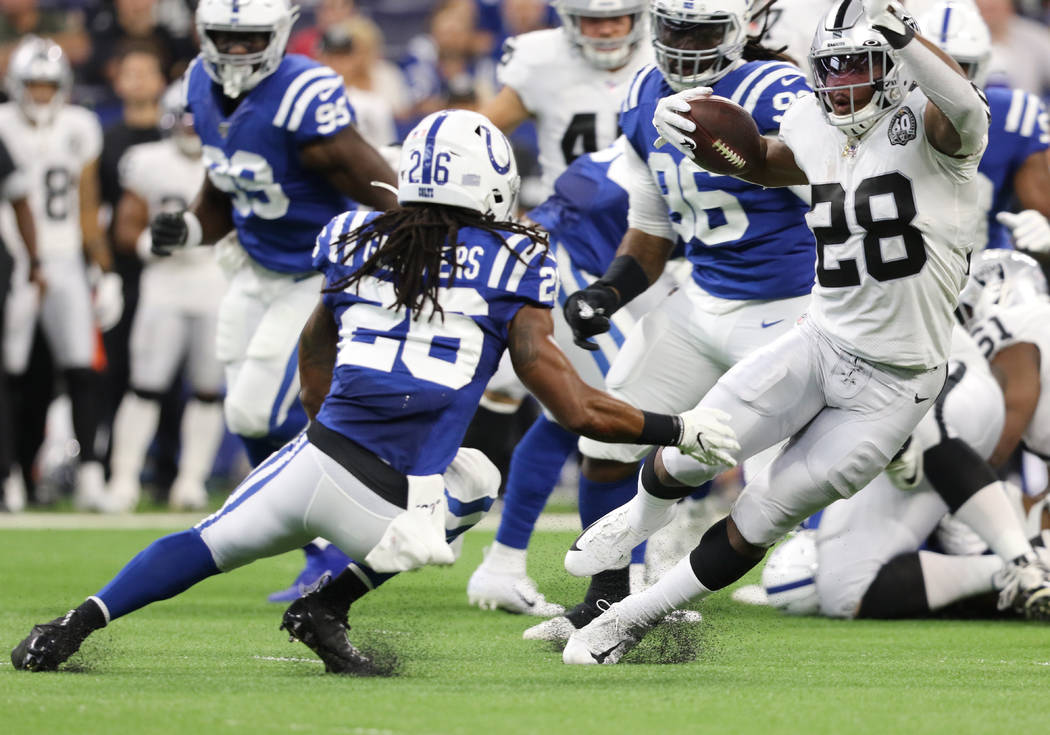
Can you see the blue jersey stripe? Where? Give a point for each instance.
(428, 147)
(290, 370)
(945, 22)
(790, 586)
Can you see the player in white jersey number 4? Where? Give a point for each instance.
(892, 172)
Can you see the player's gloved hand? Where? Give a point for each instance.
(108, 302)
(887, 17)
(587, 312)
(172, 230)
(1029, 229)
(707, 437)
(905, 470)
(672, 125)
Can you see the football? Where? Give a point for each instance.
(726, 137)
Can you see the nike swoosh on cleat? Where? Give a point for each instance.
(766, 325)
(920, 400)
(600, 658)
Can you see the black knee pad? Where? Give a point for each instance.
(956, 471)
(715, 562)
(898, 590)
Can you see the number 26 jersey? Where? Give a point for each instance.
(895, 221)
(406, 384)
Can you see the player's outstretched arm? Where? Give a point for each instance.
(317, 350)
(548, 374)
(214, 210)
(776, 166)
(506, 110)
(1017, 368)
(957, 114)
(351, 164)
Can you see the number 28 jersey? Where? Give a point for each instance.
(279, 205)
(895, 221)
(406, 384)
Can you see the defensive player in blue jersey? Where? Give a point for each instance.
(586, 218)
(751, 252)
(1016, 165)
(418, 307)
(283, 157)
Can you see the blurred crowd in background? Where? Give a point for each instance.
(401, 59)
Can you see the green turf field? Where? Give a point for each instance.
(213, 661)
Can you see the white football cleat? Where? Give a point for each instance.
(188, 495)
(122, 495)
(607, 543)
(1024, 586)
(89, 492)
(604, 640)
(500, 591)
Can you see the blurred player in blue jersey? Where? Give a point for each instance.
(283, 157)
(751, 252)
(1016, 164)
(418, 307)
(585, 218)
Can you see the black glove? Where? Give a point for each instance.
(168, 231)
(587, 311)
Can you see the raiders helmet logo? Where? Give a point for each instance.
(902, 127)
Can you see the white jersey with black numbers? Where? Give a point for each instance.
(895, 221)
(52, 157)
(576, 105)
(168, 181)
(1024, 323)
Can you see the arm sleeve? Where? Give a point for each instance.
(648, 210)
(954, 95)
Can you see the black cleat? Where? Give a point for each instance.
(324, 631)
(49, 644)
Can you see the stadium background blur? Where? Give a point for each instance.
(401, 59)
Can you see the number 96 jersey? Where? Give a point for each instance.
(895, 221)
(406, 384)
(52, 157)
(253, 156)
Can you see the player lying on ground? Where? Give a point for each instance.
(867, 556)
(418, 306)
(850, 383)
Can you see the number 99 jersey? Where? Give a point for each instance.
(406, 384)
(253, 155)
(895, 221)
(744, 242)
(52, 158)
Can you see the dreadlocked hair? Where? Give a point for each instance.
(415, 244)
(754, 50)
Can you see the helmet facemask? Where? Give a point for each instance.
(695, 49)
(855, 88)
(603, 53)
(260, 29)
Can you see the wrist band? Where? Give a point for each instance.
(894, 39)
(627, 276)
(661, 429)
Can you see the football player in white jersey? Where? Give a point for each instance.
(889, 145)
(57, 145)
(863, 557)
(571, 79)
(175, 319)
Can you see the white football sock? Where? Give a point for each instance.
(647, 513)
(503, 559)
(949, 579)
(676, 588)
(133, 429)
(989, 514)
(202, 426)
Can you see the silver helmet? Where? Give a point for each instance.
(603, 53)
(1000, 279)
(849, 56)
(696, 42)
(39, 60)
